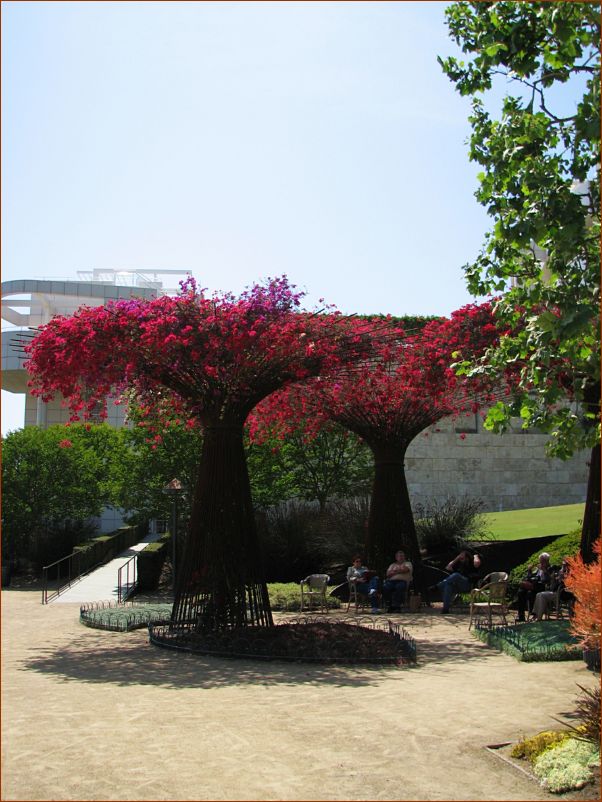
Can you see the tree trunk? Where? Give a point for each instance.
(220, 581)
(591, 517)
(391, 521)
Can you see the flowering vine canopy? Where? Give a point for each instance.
(408, 383)
(208, 359)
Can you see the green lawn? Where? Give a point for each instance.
(535, 522)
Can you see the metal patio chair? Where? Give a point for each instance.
(314, 587)
(490, 598)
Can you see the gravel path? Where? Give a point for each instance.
(95, 715)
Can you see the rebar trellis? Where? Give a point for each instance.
(220, 585)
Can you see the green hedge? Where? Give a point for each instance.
(103, 548)
(150, 563)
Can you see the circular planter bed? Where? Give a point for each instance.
(302, 639)
(122, 617)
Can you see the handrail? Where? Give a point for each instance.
(73, 572)
(125, 589)
(82, 561)
(71, 575)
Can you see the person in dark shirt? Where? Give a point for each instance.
(545, 598)
(463, 575)
(537, 579)
(365, 581)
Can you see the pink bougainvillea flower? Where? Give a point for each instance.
(405, 387)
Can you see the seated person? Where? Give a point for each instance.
(397, 582)
(464, 574)
(537, 579)
(544, 598)
(365, 581)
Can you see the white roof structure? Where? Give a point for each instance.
(30, 303)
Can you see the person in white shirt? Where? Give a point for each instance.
(397, 582)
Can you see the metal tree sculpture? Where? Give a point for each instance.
(407, 386)
(211, 361)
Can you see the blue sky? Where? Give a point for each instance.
(240, 141)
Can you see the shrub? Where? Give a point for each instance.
(448, 525)
(150, 563)
(584, 582)
(102, 548)
(59, 540)
(288, 537)
(588, 713)
(286, 597)
(531, 748)
(298, 539)
(347, 519)
(567, 766)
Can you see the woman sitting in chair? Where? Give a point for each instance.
(365, 581)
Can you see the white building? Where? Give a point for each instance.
(29, 303)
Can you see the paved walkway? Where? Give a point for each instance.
(101, 584)
(95, 715)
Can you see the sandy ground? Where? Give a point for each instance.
(99, 715)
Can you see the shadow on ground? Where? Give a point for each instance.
(128, 659)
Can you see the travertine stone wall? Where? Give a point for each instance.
(509, 471)
(55, 412)
(457, 458)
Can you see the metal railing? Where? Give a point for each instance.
(69, 569)
(64, 572)
(127, 578)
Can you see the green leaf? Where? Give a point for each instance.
(530, 160)
(493, 50)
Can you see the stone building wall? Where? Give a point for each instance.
(55, 412)
(509, 471)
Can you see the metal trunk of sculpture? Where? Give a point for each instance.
(220, 583)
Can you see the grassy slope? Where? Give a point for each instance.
(535, 522)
